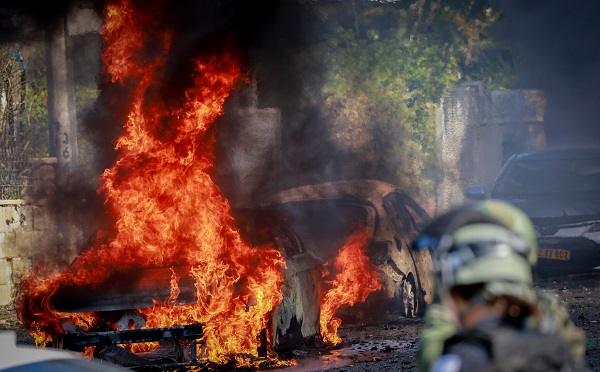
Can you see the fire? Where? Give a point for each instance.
(356, 278)
(88, 353)
(168, 211)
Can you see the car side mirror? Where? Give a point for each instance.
(476, 192)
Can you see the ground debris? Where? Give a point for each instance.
(391, 344)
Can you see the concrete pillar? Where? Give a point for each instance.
(61, 102)
(81, 18)
(252, 139)
(63, 129)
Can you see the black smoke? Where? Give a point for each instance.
(265, 34)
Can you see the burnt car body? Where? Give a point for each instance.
(308, 225)
(559, 189)
(318, 217)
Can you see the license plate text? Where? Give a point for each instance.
(554, 254)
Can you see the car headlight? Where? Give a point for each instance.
(593, 233)
(572, 232)
(595, 227)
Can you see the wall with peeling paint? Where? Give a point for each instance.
(477, 130)
(28, 229)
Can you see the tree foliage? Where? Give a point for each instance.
(23, 101)
(36, 106)
(387, 65)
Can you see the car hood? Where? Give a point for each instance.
(559, 205)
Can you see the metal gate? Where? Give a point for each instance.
(12, 182)
(13, 159)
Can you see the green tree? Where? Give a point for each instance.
(35, 113)
(24, 96)
(387, 65)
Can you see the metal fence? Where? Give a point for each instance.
(13, 159)
(12, 181)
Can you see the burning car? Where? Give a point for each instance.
(560, 191)
(321, 214)
(309, 225)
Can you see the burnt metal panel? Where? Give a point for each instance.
(78, 340)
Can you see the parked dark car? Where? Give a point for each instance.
(560, 191)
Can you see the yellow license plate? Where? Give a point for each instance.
(554, 254)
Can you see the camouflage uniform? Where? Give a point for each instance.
(440, 326)
(440, 323)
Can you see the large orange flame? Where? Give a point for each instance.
(356, 278)
(168, 210)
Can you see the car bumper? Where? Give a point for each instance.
(566, 256)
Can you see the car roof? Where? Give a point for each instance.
(559, 153)
(368, 190)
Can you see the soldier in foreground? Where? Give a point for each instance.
(486, 314)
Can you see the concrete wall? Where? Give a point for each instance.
(28, 229)
(477, 130)
(251, 140)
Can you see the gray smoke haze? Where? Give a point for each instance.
(561, 51)
(25, 21)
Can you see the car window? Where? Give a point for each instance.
(541, 176)
(396, 209)
(272, 229)
(419, 216)
(407, 215)
(322, 226)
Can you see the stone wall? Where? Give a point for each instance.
(477, 130)
(28, 228)
(251, 140)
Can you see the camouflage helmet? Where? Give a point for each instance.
(516, 220)
(489, 242)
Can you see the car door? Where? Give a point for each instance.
(408, 218)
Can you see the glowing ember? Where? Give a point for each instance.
(355, 279)
(168, 211)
